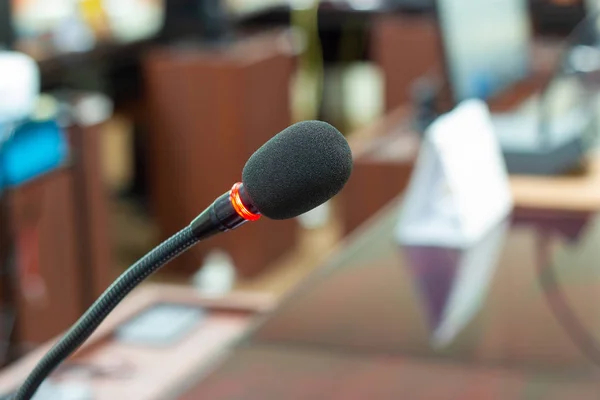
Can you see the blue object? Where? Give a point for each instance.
(35, 148)
(482, 86)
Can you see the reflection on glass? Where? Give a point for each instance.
(453, 283)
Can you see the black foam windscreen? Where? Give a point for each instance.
(298, 169)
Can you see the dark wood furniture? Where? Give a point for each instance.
(210, 110)
(45, 248)
(363, 325)
(385, 151)
(557, 18)
(90, 111)
(406, 48)
(55, 246)
(384, 154)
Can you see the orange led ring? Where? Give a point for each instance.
(238, 205)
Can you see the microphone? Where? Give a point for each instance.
(295, 171)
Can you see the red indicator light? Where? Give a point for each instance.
(238, 205)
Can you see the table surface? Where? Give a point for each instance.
(113, 369)
(513, 317)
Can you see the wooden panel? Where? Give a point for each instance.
(371, 187)
(46, 243)
(6, 289)
(210, 109)
(384, 154)
(578, 192)
(406, 48)
(381, 172)
(91, 211)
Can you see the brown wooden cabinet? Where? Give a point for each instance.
(91, 194)
(210, 109)
(55, 248)
(406, 48)
(46, 287)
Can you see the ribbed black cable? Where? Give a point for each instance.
(88, 323)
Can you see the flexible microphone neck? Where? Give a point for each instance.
(298, 169)
(227, 212)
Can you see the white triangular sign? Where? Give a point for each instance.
(459, 189)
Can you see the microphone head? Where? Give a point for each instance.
(297, 170)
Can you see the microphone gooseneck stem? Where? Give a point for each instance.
(221, 216)
(88, 323)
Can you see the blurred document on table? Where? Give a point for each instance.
(459, 189)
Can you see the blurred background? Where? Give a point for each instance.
(136, 114)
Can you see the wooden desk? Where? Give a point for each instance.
(150, 372)
(363, 325)
(385, 152)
